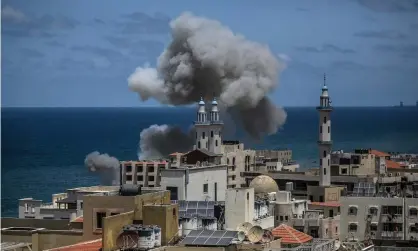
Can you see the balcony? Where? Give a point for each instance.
(392, 235)
(387, 218)
(49, 205)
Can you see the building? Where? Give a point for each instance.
(143, 173)
(66, 206)
(379, 218)
(203, 183)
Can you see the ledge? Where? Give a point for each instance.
(325, 142)
(322, 108)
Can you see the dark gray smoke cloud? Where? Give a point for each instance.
(207, 59)
(161, 140)
(106, 166)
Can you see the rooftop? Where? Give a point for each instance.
(289, 235)
(79, 219)
(392, 164)
(326, 204)
(143, 162)
(85, 246)
(379, 153)
(95, 189)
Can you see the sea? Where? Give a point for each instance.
(43, 149)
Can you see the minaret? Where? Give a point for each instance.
(324, 142)
(201, 126)
(216, 125)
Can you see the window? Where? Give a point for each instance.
(352, 227)
(151, 178)
(329, 129)
(216, 142)
(139, 169)
(140, 178)
(352, 211)
(286, 218)
(413, 212)
(174, 212)
(281, 218)
(325, 171)
(203, 135)
(311, 198)
(373, 227)
(233, 161)
(321, 198)
(320, 129)
(336, 229)
(26, 207)
(325, 153)
(211, 134)
(205, 188)
(33, 209)
(373, 211)
(198, 145)
(344, 171)
(81, 205)
(128, 168)
(129, 177)
(248, 196)
(227, 161)
(150, 169)
(111, 214)
(99, 219)
(325, 120)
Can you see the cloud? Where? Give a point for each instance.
(405, 51)
(383, 34)
(325, 48)
(347, 65)
(284, 57)
(141, 47)
(8, 13)
(109, 54)
(98, 21)
(18, 24)
(31, 53)
(54, 43)
(390, 5)
(140, 23)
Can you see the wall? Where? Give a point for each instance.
(33, 208)
(42, 239)
(324, 194)
(112, 226)
(210, 175)
(116, 204)
(236, 158)
(239, 207)
(35, 223)
(164, 216)
(175, 178)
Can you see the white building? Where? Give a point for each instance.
(143, 173)
(198, 183)
(67, 205)
(379, 218)
(241, 206)
(324, 141)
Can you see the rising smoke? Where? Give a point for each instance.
(106, 166)
(206, 59)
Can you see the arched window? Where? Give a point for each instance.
(198, 145)
(352, 227)
(216, 142)
(211, 134)
(233, 161)
(325, 120)
(325, 153)
(352, 210)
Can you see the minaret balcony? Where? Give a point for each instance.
(202, 123)
(329, 142)
(218, 122)
(324, 108)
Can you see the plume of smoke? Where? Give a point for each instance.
(105, 165)
(161, 140)
(207, 59)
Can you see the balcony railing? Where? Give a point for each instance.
(392, 235)
(49, 205)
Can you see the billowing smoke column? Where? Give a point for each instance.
(207, 59)
(106, 166)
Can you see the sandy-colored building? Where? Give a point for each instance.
(143, 173)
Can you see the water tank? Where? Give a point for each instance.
(146, 238)
(129, 190)
(157, 234)
(289, 186)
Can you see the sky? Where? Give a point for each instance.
(79, 53)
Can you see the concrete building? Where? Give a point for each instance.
(381, 218)
(282, 155)
(197, 183)
(143, 173)
(66, 206)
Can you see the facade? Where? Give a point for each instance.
(65, 206)
(143, 173)
(324, 141)
(282, 155)
(382, 218)
(196, 184)
(238, 160)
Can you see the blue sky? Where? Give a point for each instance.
(59, 53)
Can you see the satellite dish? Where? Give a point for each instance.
(127, 240)
(267, 236)
(241, 236)
(337, 245)
(255, 234)
(244, 227)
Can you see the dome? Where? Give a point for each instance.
(201, 102)
(214, 102)
(324, 88)
(264, 184)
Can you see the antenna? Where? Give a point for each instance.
(244, 227)
(241, 236)
(325, 79)
(255, 234)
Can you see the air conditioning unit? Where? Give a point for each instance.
(390, 174)
(398, 174)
